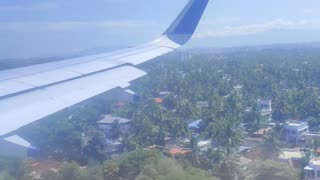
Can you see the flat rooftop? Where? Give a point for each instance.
(315, 161)
(108, 119)
(289, 154)
(296, 123)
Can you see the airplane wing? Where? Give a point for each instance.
(31, 93)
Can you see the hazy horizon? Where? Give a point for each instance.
(49, 29)
(92, 51)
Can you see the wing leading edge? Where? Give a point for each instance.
(31, 93)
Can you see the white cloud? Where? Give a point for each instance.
(242, 30)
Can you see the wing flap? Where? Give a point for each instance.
(91, 66)
(23, 109)
(68, 71)
(47, 77)
(18, 140)
(140, 58)
(28, 70)
(31, 93)
(12, 86)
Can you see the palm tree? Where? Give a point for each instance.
(195, 156)
(278, 129)
(229, 136)
(315, 146)
(271, 145)
(228, 170)
(115, 130)
(111, 170)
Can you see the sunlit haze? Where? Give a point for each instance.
(43, 28)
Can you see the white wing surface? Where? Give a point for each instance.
(31, 93)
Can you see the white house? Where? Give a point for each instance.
(108, 122)
(202, 104)
(292, 157)
(312, 171)
(204, 145)
(294, 131)
(194, 124)
(164, 93)
(238, 87)
(265, 107)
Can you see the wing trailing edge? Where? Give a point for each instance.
(31, 93)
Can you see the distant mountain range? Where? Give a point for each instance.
(286, 46)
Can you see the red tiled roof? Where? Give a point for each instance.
(262, 131)
(158, 100)
(46, 165)
(175, 151)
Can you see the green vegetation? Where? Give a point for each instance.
(270, 146)
(73, 172)
(149, 164)
(228, 82)
(12, 168)
(61, 135)
(275, 170)
(168, 169)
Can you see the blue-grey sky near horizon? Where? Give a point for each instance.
(46, 28)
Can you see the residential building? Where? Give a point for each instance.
(202, 104)
(204, 146)
(38, 168)
(182, 74)
(158, 100)
(194, 124)
(248, 145)
(312, 171)
(265, 107)
(176, 142)
(292, 157)
(113, 146)
(294, 131)
(238, 87)
(179, 151)
(164, 93)
(262, 132)
(108, 122)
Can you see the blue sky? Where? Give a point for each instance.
(45, 28)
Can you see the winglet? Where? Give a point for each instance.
(181, 30)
